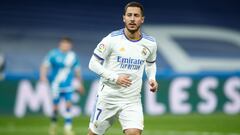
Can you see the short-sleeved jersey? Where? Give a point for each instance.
(123, 56)
(63, 66)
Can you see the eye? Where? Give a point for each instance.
(137, 15)
(129, 14)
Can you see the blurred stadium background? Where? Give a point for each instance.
(198, 63)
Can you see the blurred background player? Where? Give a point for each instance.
(2, 66)
(65, 67)
(125, 53)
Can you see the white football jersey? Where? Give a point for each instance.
(124, 56)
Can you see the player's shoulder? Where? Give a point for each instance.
(116, 33)
(73, 53)
(113, 35)
(53, 52)
(149, 38)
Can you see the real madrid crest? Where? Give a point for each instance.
(144, 51)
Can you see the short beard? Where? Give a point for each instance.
(132, 31)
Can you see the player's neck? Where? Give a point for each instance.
(64, 51)
(132, 36)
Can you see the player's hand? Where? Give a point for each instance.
(81, 89)
(124, 80)
(153, 85)
(43, 79)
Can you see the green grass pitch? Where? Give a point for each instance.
(193, 124)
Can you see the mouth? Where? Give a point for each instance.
(132, 24)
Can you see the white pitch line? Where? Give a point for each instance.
(42, 129)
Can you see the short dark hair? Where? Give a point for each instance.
(134, 4)
(66, 39)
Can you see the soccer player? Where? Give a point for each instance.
(2, 66)
(65, 67)
(119, 59)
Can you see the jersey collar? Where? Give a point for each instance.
(130, 39)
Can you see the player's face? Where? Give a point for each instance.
(133, 19)
(65, 46)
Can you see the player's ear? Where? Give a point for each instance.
(143, 18)
(123, 18)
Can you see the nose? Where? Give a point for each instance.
(132, 18)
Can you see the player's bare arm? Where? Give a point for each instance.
(43, 73)
(81, 88)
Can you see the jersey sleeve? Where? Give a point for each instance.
(152, 56)
(76, 65)
(103, 49)
(47, 61)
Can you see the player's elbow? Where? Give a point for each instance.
(91, 65)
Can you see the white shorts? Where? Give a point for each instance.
(130, 115)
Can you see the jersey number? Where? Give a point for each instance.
(99, 112)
